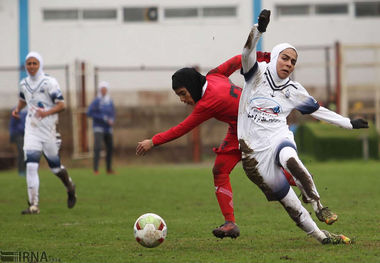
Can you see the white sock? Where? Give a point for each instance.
(33, 182)
(299, 214)
(318, 235)
(316, 206)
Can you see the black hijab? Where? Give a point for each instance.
(191, 79)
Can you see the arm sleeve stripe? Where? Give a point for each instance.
(250, 73)
(308, 107)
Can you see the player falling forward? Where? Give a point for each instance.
(42, 95)
(265, 140)
(213, 96)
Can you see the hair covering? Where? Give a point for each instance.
(191, 79)
(273, 61)
(104, 84)
(40, 71)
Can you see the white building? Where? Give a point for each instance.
(171, 34)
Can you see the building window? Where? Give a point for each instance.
(140, 14)
(219, 11)
(61, 14)
(180, 12)
(99, 14)
(331, 9)
(292, 10)
(363, 9)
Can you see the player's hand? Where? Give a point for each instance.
(16, 113)
(264, 19)
(359, 124)
(41, 113)
(143, 147)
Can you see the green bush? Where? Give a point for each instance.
(325, 141)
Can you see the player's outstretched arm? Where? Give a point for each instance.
(144, 146)
(249, 51)
(332, 117)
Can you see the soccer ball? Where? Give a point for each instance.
(150, 230)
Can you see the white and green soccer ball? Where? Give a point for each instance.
(150, 230)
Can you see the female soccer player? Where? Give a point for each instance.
(212, 96)
(266, 142)
(42, 95)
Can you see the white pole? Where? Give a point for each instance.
(343, 92)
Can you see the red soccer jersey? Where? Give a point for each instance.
(220, 101)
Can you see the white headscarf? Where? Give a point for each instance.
(273, 62)
(104, 84)
(40, 71)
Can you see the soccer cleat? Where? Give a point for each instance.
(71, 197)
(335, 239)
(96, 172)
(228, 229)
(111, 172)
(325, 215)
(32, 209)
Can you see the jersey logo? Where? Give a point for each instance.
(274, 110)
(265, 105)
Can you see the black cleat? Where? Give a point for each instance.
(228, 229)
(71, 197)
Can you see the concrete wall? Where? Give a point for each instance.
(167, 43)
(132, 125)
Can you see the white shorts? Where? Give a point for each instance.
(269, 177)
(34, 143)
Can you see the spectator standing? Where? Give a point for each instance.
(102, 112)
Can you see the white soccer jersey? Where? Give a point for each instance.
(41, 93)
(264, 107)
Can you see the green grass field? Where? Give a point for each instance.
(100, 227)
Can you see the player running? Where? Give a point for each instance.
(266, 142)
(42, 95)
(213, 96)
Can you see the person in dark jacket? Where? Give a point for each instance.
(16, 132)
(102, 112)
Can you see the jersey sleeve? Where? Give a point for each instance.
(21, 91)
(228, 67)
(302, 100)
(199, 115)
(55, 92)
(329, 116)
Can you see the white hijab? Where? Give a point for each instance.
(40, 71)
(106, 98)
(273, 62)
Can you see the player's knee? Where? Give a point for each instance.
(32, 156)
(285, 154)
(221, 179)
(54, 163)
(32, 167)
